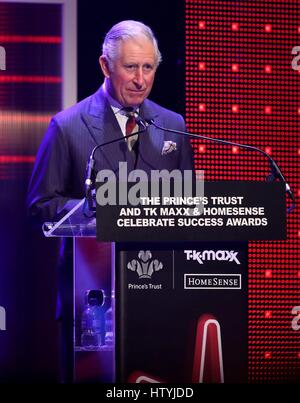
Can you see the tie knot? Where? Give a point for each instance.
(128, 111)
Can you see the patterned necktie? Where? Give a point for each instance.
(129, 129)
(130, 124)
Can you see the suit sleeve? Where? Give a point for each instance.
(49, 194)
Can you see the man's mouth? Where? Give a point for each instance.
(137, 91)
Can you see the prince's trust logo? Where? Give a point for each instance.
(145, 266)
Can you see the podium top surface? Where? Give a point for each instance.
(73, 224)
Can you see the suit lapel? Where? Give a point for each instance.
(151, 142)
(103, 127)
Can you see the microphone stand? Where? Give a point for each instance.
(275, 170)
(88, 207)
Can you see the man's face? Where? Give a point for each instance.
(131, 78)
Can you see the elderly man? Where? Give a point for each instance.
(129, 62)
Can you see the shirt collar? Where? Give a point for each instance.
(115, 105)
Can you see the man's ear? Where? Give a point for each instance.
(104, 66)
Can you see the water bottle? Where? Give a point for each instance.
(92, 319)
(109, 335)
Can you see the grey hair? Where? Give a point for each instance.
(128, 29)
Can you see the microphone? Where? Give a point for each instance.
(89, 177)
(275, 173)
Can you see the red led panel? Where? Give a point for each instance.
(30, 84)
(240, 86)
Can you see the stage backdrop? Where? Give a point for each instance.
(240, 86)
(33, 86)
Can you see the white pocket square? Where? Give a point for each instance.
(168, 147)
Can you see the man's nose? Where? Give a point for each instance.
(139, 77)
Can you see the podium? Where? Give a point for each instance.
(93, 269)
(178, 295)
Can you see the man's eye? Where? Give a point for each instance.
(130, 67)
(148, 67)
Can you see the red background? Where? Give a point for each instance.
(240, 86)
